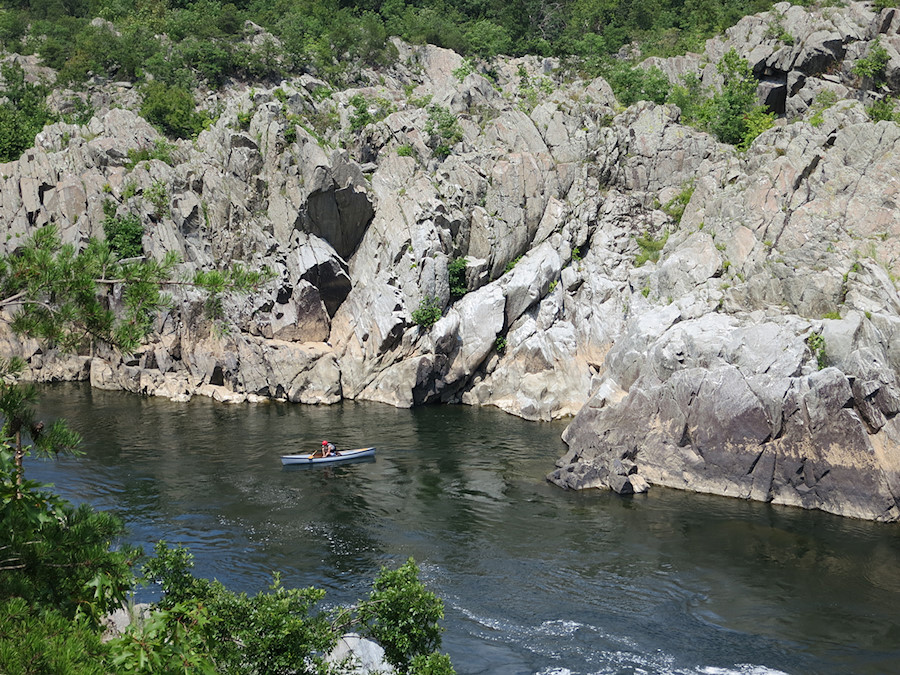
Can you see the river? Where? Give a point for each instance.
(535, 580)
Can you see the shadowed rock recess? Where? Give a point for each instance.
(748, 346)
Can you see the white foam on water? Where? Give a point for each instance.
(656, 664)
(538, 639)
(559, 627)
(740, 669)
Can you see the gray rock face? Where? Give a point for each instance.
(728, 408)
(746, 347)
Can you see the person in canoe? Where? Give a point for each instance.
(328, 449)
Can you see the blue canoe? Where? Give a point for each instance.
(337, 456)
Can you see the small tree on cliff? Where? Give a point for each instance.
(52, 292)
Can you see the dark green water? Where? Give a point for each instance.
(535, 580)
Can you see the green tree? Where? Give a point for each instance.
(35, 641)
(487, 39)
(55, 555)
(732, 115)
(17, 403)
(726, 114)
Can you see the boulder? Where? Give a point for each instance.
(358, 656)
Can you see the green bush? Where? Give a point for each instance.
(456, 271)
(360, 117)
(123, 233)
(428, 312)
(650, 249)
(823, 101)
(882, 110)
(816, 344)
(756, 121)
(162, 150)
(22, 115)
(631, 84)
(675, 207)
(402, 616)
(158, 195)
(443, 130)
(431, 664)
(171, 108)
(367, 112)
(267, 632)
(272, 632)
(872, 65)
(466, 69)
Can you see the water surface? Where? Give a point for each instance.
(536, 580)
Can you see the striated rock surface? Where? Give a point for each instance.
(744, 347)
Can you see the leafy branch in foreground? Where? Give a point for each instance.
(278, 630)
(64, 297)
(17, 408)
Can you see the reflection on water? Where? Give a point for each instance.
(536, 580)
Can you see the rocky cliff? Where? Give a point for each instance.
(715, 320)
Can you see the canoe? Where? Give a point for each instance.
(337, 456)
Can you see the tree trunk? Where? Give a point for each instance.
(20, 468)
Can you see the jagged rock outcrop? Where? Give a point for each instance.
(744, 346)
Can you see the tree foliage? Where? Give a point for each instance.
(37, 640)
(204, 40)
(402, 615)
(63, 296)
(171, 108)
(733, 114)
(631, 84)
